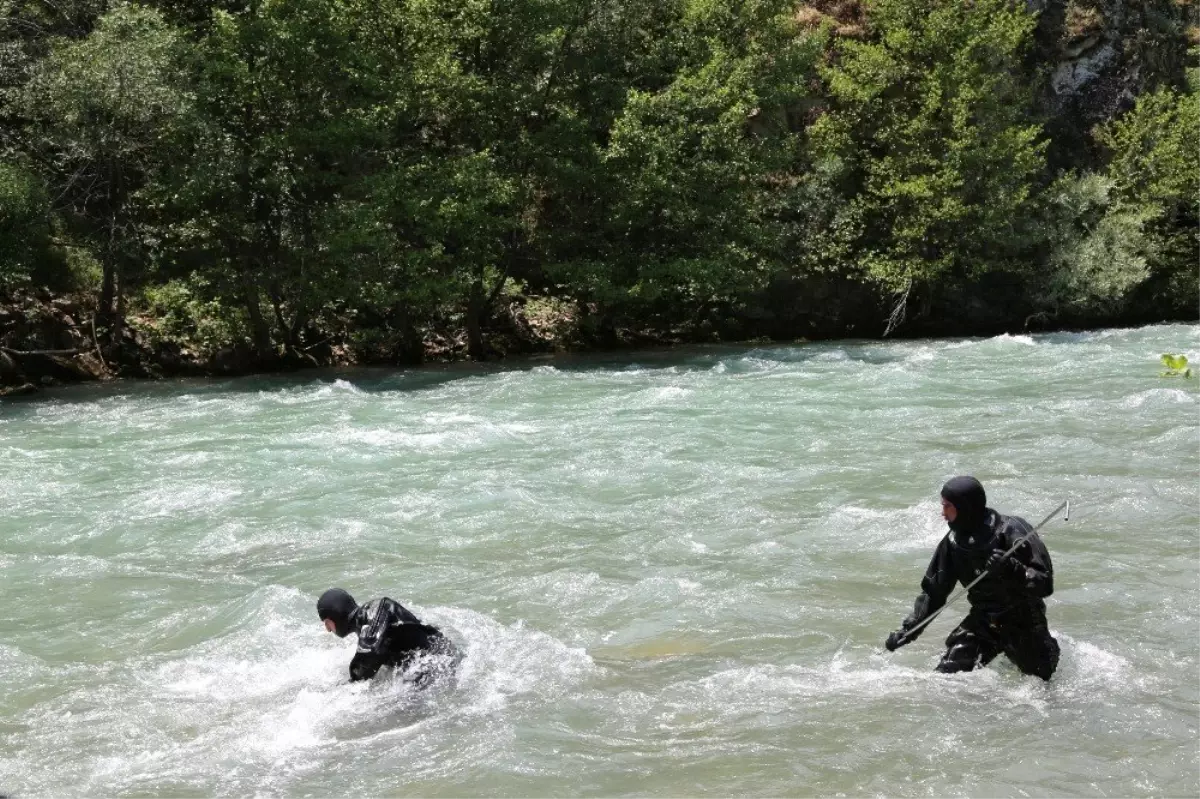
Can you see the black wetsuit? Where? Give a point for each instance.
(1008, 611)
(390, 635)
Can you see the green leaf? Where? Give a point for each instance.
(1174, 362)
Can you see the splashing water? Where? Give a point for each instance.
(672, 574)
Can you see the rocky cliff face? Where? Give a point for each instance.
(1099, 55)
(1094, 56)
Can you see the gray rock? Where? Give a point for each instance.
(1072, 76)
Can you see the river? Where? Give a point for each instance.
(672, 572)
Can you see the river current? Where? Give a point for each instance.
(672, 573)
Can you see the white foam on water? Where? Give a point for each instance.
(384, 438)
(666, 394)
(515, 429)
(507, 661)
(1006, 338)
(574, 590)
(273, 693)
(922, 355)
(442, 436)
(1089, 673)
(22, 669)
(863, 678)
(343, 386)
(451, 419)
(315, 395)
(918, 528)
(1159, 397)
(186, 459)
(338, 388)
(225, 538)
(169, 499)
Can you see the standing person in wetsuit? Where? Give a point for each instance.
(1008, 613)
(388, 635)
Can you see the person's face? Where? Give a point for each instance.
(949, 513)
(329, 625)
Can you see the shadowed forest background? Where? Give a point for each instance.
(220, 187)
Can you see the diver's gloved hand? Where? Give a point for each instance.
(1000, 566)
(897, 640)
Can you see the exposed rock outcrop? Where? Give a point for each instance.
(1106, 52)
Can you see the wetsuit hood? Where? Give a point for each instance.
(338, 606)
(967, 496)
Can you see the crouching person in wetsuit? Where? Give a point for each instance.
(388, 635)
(1008, 613)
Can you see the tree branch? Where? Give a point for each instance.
(20, 353)
(898, 311)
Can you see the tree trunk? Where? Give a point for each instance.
(119, 311)
(108, 292)
(475, 311)
(108, 289)
(479, 311)
(111, 306)
(297, 328)
(410, 349)
(258, 323)
(284, 328)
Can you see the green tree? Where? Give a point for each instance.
(935, 107)
(274, 136)
(1098, 249)
(24, 231)
(96, 109)
(487, 116)
(1154, 167)
(681, 193)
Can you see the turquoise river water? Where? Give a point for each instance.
(672, 574)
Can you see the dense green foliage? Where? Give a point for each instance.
(270, 174)
(935, 116)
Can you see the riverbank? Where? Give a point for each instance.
(49, 339)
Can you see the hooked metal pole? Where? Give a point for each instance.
(1066, 518)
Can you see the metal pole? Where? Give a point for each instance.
(1066, 504)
